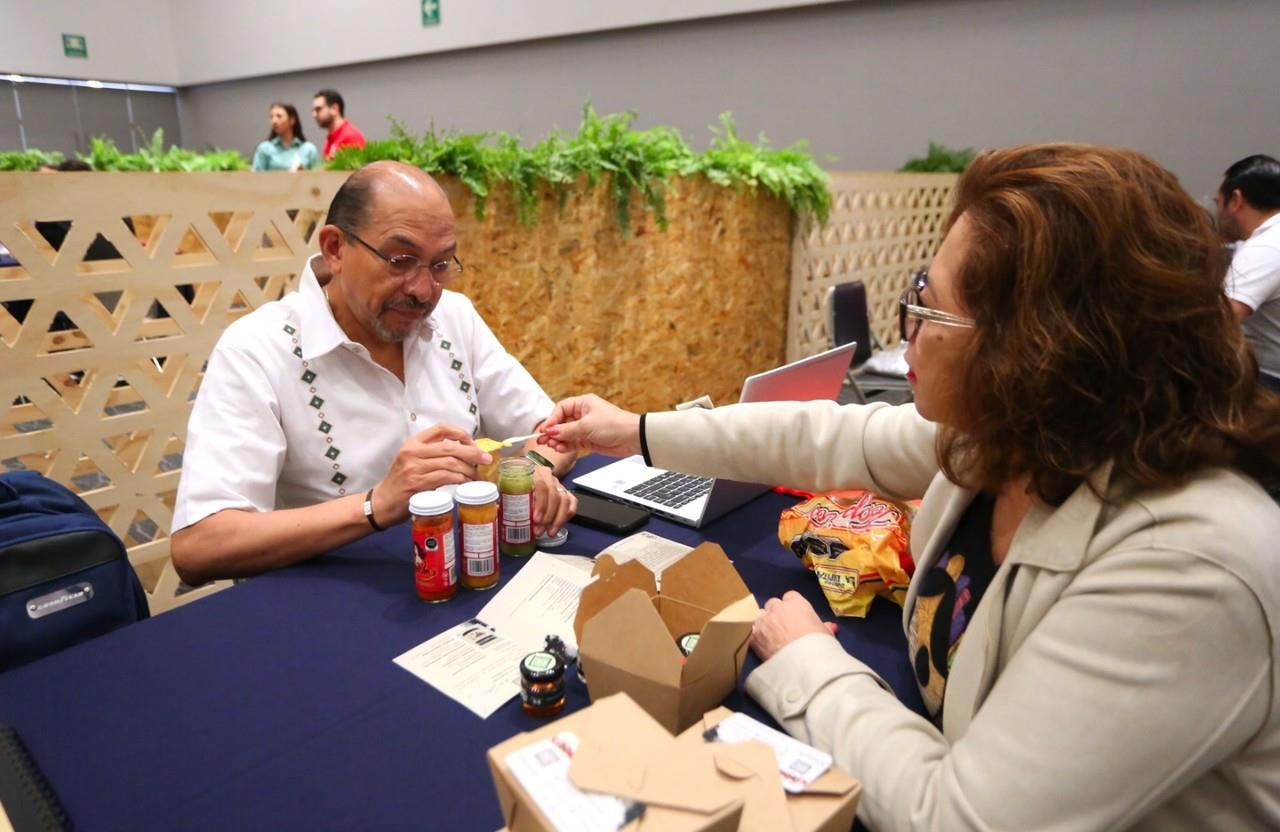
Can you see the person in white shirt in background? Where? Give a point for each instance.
(310, 429)
(1248, 202)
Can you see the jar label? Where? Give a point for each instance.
(479, 549)
(517, 515)
(435, 564)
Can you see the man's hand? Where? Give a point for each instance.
(589, 423)
(553, 503)
(783, 621)
(440, 455)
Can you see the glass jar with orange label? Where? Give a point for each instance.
(478, 514)
(435, 565)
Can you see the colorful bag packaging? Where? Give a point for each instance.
(858, 544)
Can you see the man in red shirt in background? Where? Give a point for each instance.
(329, 111)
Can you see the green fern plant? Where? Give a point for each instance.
(790, 173)
(605, 148)
(634, 162)
(104, 155)
(940, 159)
(27, 160)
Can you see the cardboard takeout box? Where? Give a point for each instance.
(622, 752)
(627, 630)
(828, 804)
(685, 783)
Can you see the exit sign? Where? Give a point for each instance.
(430, 12)
(75, 46)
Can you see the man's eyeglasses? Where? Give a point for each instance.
(405, 267)
(912, 312)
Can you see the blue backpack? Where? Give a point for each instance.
(64, 575)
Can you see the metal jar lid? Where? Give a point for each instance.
(542, 666)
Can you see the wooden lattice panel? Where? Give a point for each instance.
(883, 226)
(102, 356)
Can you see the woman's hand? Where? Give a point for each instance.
(783, 621)
(589, 423)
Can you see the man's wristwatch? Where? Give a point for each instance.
(538, 459)
(368, 511)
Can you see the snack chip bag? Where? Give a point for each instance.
(857, 544)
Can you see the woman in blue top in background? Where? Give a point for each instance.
(285, 148)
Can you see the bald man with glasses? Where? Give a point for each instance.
(322, 413)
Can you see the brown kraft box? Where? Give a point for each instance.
(828, 804)
(627, 630)
(623, 752)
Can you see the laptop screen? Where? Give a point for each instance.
(817, 377)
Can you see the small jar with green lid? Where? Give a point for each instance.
(542, 683)
(515, 483)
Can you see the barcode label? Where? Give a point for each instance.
(479, 540)
(517, 508)
(479, 567)
(450, 560)
(517, 516)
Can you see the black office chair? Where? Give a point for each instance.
(848, 320)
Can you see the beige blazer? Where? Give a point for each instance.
(1120, 670)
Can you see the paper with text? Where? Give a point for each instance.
(653, 551)
(541, 599)
(471, 664)
(542, 769)
(799, 764)
(580, 562)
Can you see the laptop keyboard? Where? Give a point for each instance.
(672, 489)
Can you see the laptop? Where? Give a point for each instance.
(693, 500)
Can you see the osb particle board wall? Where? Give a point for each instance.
(647, 320)
(102, 364)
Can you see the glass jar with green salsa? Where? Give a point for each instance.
(515, 484)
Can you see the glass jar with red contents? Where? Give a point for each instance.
(435, 562)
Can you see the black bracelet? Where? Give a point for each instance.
(368, 511)
(644, 443)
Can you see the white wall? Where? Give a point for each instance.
(1189, 82)
(229, 39)
(129, 40)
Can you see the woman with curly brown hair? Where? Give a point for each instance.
(1094, 617)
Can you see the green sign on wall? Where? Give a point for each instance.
(430, 12)
(75, 46)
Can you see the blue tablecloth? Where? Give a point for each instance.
(275, 704)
